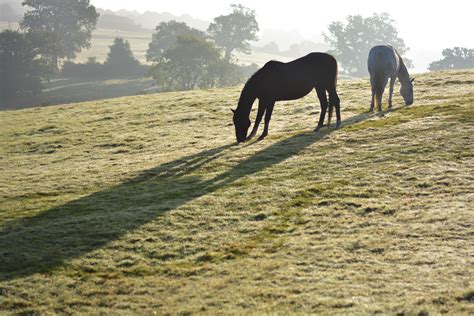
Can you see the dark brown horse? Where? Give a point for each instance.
(278, 81)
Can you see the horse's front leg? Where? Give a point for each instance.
(323, 99)
(390, 94)
(258, 119)
(268, 116)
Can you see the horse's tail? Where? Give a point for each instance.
(331, 104)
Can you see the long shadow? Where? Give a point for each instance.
(46, 241)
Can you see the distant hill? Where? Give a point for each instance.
(120, 23)
(294, 51)
(149, 20)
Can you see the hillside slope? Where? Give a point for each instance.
(146, 204)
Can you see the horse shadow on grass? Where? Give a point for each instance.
(49, 239)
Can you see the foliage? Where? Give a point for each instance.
(90, 69)
(22, 68)
(188, 65)
(120, 63)
(234, 31)
(305, 47)
(70, 21)
(116, 22)
(166, 37)
(270, 48)
(248, 70)
(352, 41)
(455, 58)
(120, 60)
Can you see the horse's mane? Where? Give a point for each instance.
(403, 72)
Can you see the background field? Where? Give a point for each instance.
(102, 39)
(63, 91)
(145, 204)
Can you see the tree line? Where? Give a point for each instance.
(179, 57)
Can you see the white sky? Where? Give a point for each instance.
(426, 26)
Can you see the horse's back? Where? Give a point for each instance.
(288, 81)
(383, 60)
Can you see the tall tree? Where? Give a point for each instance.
(185, 66)
(455, 58)
(235, 30)
(120, 60)
(166, 37)
(22, 70)
(352, 41)
(70, 21)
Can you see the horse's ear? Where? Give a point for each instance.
(233, 111)
(412, 79)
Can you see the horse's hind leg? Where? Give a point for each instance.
(334, 101)
(392, 84)
(258, 119)
(268, 116)
(323, 99)
(372, 103)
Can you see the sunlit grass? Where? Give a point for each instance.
(145, 204)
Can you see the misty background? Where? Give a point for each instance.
(59, 52)
(426, 27)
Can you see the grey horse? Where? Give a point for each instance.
(385, 62)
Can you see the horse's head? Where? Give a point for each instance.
(241, 124)
(407, 92)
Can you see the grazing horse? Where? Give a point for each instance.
(385, 62)
(277, 81)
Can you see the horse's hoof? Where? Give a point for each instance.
(338, 125)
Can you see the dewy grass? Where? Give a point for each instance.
(145, 205)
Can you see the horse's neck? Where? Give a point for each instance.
(403, 75)
(246, 100)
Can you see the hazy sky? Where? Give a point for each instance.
(426, 26)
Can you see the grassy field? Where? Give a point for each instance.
(145, 205)
(62, 91)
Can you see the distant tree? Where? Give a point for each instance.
(120, 60)
(116, 22)
(185, 66)
(22, 70)
(455, 58)
(166, 37)
(303, 48)
(70, 21)
(92, 60)
(223, 74)
(234, 31)
(271, 48)
(351, 42)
